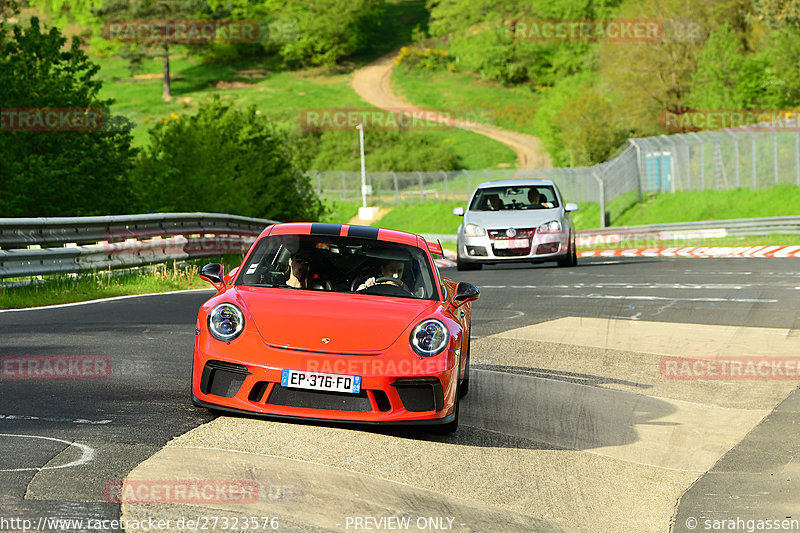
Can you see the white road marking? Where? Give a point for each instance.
(54, 419)
(87, 453)
(101, 300)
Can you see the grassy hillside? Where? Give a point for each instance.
(280, 95)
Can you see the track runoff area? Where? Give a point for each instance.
(624, 394)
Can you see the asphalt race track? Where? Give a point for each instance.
(579, 417)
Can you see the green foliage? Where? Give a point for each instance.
(589, 128)
(548, 125)
(426, 58)
(223, 160)
(57, 173)
(781, 74)
(312, 32)
(778, 13)
(725, 77)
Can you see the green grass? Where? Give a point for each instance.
(68, 288)
(781, 200)
(430, 217)
(466, 96)
(727, 242)
(280, 95)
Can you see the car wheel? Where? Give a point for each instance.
(463, 386)
(461, 265)
(452, 426)
(569, 260)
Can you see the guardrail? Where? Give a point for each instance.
(789, 225)
(36, 246)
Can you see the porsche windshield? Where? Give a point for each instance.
(339, 264)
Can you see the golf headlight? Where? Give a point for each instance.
(553, 225)
(430, 337)
(225, 322)
(473, 230)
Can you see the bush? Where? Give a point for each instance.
(424, 58)
(223, 160)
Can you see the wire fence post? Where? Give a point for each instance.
(775, 154)
(797, 156)
(602, 199)
(753, 154)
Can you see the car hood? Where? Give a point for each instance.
(353, 323)
(529, 218)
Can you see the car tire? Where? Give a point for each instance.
(461, 265)
(450, 427)
(570, 260)
(463, 386)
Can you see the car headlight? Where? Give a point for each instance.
(553, 225)
(473, 230)
(225, 322)
(430, 337)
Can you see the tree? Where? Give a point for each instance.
(651, 77)
(778, 14)
(223, 160)
(725, 78)
(150, 10)
(589, 128)
(313, 32)
(57, 173)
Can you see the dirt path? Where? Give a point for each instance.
(373, 83)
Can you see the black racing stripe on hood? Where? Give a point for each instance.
(323, 228)
(365, 232)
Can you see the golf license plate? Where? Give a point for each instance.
(512, 243)
(303, 379)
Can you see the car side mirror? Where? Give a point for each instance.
(458, 211)
(570, 207)
(213, 273)
(465, 292)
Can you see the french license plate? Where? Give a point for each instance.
(512, 243)
(303, 379)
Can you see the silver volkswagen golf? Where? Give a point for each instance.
(516, 221)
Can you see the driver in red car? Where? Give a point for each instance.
(389, 269)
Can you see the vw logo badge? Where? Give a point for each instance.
(511, 233)
(325, 340)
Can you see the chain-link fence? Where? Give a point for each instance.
(751, 156)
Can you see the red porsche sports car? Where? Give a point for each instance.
(335, 322)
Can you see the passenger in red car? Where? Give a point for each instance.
(299, 271)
